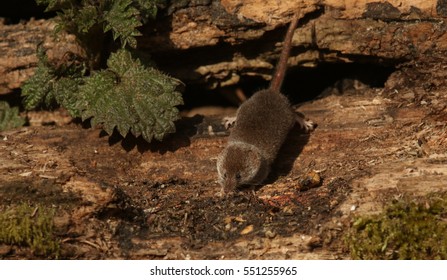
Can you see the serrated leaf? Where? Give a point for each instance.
(93, 96)
(122, 20)
(54, 4)
(65, 93)
(148, 8)
(122, 62)
(37, 89)
(9, 117)
(130, 97)
(86, 17)
(49, 86)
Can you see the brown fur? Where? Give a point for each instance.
(262, 125)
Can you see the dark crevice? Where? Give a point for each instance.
(13, 99)
(302, 84)
(168, 59)
(306, 84)
(16, 11)
(318, 12)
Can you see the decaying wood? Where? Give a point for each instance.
(18, 46)
(121, 198)
(219, 42)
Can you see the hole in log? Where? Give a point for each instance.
(300, 85)
(306, 84)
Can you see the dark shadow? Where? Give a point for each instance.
(15, 11)
(13, 98)
(185, 129)
(303, 84)
(289, 152)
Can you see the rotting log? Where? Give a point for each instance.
(159, 200)
(18, 45)
(218, 43)
(114, 200)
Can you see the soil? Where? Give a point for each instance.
(121, 198)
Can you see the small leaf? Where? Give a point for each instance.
(9, 117)
(122, 20)
(37, 89)
(50, 85)
(66, 94)
(148, 9)
(86, 17)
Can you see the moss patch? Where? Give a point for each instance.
(405, 230)
(32, 227)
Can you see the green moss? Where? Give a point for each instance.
(405, 230)
(19, 225)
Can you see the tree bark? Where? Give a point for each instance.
(218, 43)
(18, 46)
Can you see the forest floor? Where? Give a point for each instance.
(117, 198)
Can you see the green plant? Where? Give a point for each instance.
(90, 20)
(54, 84)
(131, 98)
(405, 230)
(127, 94)
(23, 226)
(9, 117)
